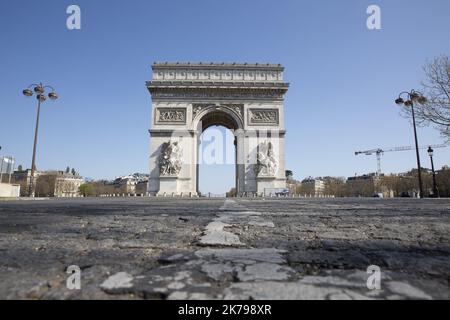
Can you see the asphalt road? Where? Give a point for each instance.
(162, 248)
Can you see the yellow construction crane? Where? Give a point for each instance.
(379, 152)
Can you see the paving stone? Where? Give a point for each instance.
(117, 281)
(215, 235)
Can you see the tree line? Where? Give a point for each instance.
(393, 185)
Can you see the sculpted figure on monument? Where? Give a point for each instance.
(266, 162)
(170, 159)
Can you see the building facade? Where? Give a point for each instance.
(131, 184)
(313, 187)
(50, 183)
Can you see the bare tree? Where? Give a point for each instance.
(436, 87)
(335, 186)
(45, 185)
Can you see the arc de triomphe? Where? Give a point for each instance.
(187, 98)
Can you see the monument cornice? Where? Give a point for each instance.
(263, 132)
(151, 85)
(217, 66)
(171, 132)
(239, 132)
(217, 90)
(218, 93)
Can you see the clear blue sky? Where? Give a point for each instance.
(343, 77)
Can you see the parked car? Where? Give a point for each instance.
(282, 193)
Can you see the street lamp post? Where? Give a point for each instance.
(39, 90)
(435, 189)
(413, 96)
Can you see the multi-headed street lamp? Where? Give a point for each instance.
(435, 189)
(39, 90)
(411, 98)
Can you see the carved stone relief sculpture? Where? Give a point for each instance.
(236, 108)
(263, 116)
(266, 162)
(170, 159)
(171, 115)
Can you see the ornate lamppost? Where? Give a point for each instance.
(435, 189)
(410, 99)
(39, 90)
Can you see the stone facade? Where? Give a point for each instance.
(49, 183)
(133, 184)
(67, 186)
(313, 187)
(187, 98)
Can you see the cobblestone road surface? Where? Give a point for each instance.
(160, 248)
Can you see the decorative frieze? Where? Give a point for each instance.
(171, 115)
(238, 109)
(199, 107)
(192, 93)
(263, 117)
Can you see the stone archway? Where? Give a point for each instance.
(217, 116)
(188, 98)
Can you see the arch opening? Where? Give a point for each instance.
(217, 154)
(220, 117)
